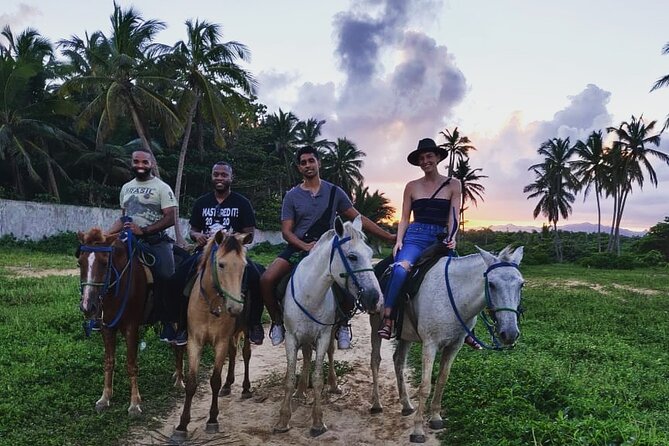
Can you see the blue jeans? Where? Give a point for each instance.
(416, 239)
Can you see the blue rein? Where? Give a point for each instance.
(490, 325)
(129, 242)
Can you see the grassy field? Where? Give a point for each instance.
(591, 367)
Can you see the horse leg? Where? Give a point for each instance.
(109, 337)
(318, 427)
(246, 353)
(194, 352)
(447, 357)
(230, 378)
(221, 352)
(178, 375)
(131, 343)
(399, 360)
(305, 374)
(429, 351)
(289, 385)
(374, 322)
(332, 376)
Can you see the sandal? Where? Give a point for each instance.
(386, 330)
(472, 343)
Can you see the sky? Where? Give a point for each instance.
(509, 74)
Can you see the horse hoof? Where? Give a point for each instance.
(134, 411)
(280, 430)
(211, 428)
(376, 410)
(99, 407)
(335, 390)
(246, 394)
(416, 438)
(178, 437)
(316, 431)
(407, 411)
(436, 424)
(225, 391)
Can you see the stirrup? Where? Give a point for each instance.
(386, 330)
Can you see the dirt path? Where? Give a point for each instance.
(250, 422)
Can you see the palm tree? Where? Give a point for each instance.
(457, 146)
(309, 132)
(28, 112)
(342, 163)
(663, 82)
(553, 184)
(215, 87)
(591, 169)
(121, 73)
(634, 137)
(284, 133)
(471, 188)
(374, 206)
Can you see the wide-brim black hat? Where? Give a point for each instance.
(426, 145)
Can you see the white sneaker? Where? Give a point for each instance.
(276, 334)
(343, 337)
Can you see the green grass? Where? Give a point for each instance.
(590, 368)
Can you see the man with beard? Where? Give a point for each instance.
(224, 209)
(148, 209)
(303, 206)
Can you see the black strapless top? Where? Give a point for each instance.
(433, 211)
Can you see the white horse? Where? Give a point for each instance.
(309, 309)
(470, 283)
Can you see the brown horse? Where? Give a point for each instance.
(114, 288)
(215, 301)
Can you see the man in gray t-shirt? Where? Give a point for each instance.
(302, 206)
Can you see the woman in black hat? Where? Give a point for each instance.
(434, 200)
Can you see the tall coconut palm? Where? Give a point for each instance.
(284, 134)
(214, 86)
(29, 121)
(591, 169)
(374, 206)
(122, 76)
(471, 188)
(457, 146)
(342, 163)
(663, 82)
(309, 134)
(554, 185)
(634, 139)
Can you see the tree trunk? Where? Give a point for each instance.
(599, 219)
(558, 243)
(621, 209)
(139, 127)
(609, 246)
(18, 179)
(53, 186)
(180, 169)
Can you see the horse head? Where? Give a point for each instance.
(503, 284)
(351, 265)
(95, 259)
(226, 255)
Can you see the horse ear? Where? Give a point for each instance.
(110, 238)
(244, 238)
(339, 226)
(517, 255)
(219, 237)
(488, 258)
(357, 223)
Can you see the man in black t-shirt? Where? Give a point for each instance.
(223, 209)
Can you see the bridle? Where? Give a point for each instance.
(488, 315)
(220, 291)
(105, 286)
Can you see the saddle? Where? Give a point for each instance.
(405, 320)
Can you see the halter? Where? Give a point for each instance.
(220, 291)
(129, 239)
(350, 272)
(491, 325)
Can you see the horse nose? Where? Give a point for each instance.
(509, 336)
(371, 301)
(234, 310)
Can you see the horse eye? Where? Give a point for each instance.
(352, 257)
(221, 265)
(493, 286)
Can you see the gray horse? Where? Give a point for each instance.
(476, 281)
(309, 310)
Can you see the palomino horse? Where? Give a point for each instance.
(215, 301)
(309, 310)
(452, 294)
(114, 286)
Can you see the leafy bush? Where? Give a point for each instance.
(651, 258)
(62, 243)
(605, 260)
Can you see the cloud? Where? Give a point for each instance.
(24, 14)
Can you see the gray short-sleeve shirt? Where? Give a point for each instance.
(304, 209)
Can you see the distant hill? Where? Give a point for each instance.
(573, 227)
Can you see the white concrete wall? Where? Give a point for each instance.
(31, 220)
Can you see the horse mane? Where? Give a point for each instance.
(94, 235)
(230, 244)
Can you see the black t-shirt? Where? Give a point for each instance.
(234, 213)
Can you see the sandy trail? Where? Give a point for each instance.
(250, 421)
